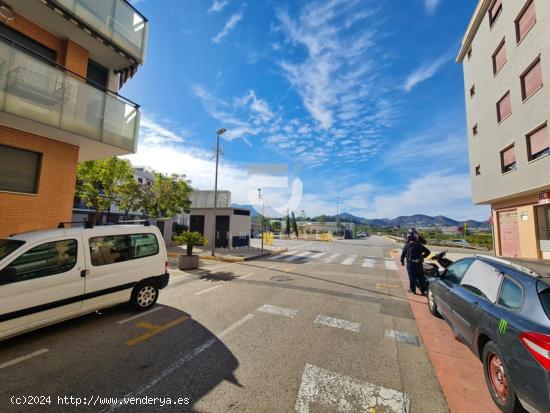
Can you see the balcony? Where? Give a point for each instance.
(61, 105)
(115, 19)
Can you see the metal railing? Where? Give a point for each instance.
(42, 90)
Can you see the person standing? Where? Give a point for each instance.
(415, 252)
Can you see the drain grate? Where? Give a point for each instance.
(281, 278)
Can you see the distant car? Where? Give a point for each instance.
(501, 310)
(459, 243)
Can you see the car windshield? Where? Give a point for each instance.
(7, 246)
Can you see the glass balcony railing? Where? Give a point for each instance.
(45, 92)
(116, 20)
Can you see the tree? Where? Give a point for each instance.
(130, 197)
(99, 182)
(191, 239)
(287, 226)
(294, 224)
(322, 220)
(167, 197)
(275, 225)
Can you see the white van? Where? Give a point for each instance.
(54, 275)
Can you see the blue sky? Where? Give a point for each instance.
(361, 99)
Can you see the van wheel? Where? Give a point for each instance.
(432, 306)
(498, 380)
(144, 295)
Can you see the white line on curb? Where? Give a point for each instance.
(23, 358)
(208, 289)
(271, 309)
(139, 315)
(337, 323)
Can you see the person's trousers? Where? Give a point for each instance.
(416, 275)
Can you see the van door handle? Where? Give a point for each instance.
(83, 273)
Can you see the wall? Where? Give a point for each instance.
(54, 201)
(485, 148)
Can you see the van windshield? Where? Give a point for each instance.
(7, 246)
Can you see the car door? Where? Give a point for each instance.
(450, 280)
(477, 293)
(45, 283)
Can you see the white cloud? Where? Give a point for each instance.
(229, 25)
(431, 5)
(218, 6)
(425, 72)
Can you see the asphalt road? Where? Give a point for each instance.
(321, 328)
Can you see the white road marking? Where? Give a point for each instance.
(299, 246)
(182, 361)
(349, 260)
(318, 255)
(346, 394)
(23, 358)
(207, 290)
(139, 315)
(402, 336)
(297, 256)
(390, 265)
(271, 309)
(331, 258)
(246, 276)
(369, 263)
(337, 323)
(277, 256)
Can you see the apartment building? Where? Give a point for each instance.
(505, 55)
(62, 63)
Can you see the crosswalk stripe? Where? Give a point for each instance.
(349, 260)
(297, 256)
(318, 255)
(331, 258)
(390, 265)
(369, 263)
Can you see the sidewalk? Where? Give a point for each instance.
(459, 372)
(226, 254)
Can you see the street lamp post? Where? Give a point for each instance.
(337, 220)
(213, 245)
(261, 217)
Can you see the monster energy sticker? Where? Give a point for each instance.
(502, 326)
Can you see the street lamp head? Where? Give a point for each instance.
(221, 131)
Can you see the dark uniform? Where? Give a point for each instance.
(415, 253)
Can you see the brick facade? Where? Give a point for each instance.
(54, 201)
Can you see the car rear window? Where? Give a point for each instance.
(544, 294)
(7, 246)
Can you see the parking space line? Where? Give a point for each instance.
(271, 309)
(155, 329)
(246, 276)
(207, 290)
(349, 260)
(23, 358)
(139, 315)
(337, 323)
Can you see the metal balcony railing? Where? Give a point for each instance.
(117, 20)
(40, 90)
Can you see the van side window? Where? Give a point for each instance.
(511, 295)
(119, 248)
(47, 259)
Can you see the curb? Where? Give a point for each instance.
(231, 259)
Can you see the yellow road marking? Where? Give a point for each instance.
(387, 285)
(155, 329)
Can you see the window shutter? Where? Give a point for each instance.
(539, 141)
(526, 21)
(499, 57)
(19, 170)
(509, 157)
(495, 10)
(532, 80)
(504, 107)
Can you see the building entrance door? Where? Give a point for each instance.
(509, 233)
(196, 224)
(222, 231)
(543, 224)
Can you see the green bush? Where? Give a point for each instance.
(190, 239)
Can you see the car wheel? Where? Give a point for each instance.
(498, 380)
(432, 306)
(144, 295)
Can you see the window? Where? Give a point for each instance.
(456, 271)
(472, 91)
(482, 279)
(525, 21)
(140, 180)
(120, 248)
(531, 79)
(499, 57)
(544, 295)
(504, 107)
(511, 295)
(19, 170)
(27, 44)
(508, 159)
(538, 143)
(474, 130)
(7, 246)
(47, 259)
(495, 11)
(478, 170)
(97, 75)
